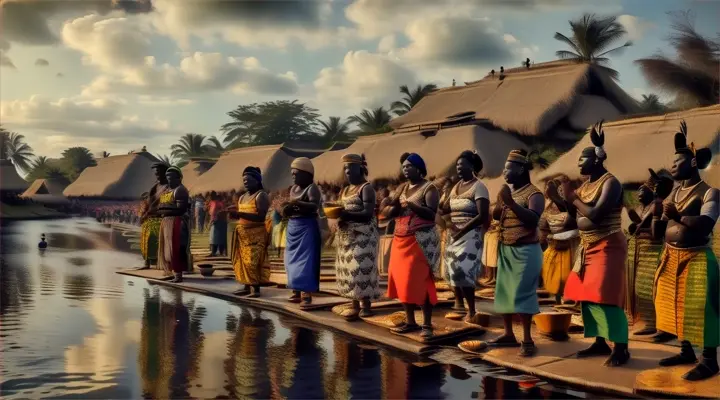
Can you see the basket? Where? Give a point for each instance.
(553, 324)
(332, 211)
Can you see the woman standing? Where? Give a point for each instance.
(357, 239)
(469, 204)
(415, 246)
(252, 235)
(200, 213)
(303, 240)
(174, 244)
(218, 226)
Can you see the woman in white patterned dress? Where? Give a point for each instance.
(357, 240)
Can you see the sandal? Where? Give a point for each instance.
(407, 328)
(295, 298)
(366, 312)
(455, 315)
(527, 349)
(473, 346)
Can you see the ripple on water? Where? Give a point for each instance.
(79, 261)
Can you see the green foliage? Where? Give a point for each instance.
(410, 98)
(334, 129)
(74, 161)
(651, 104)
(14, 148)
(195, 145)
(272, 122)
(630, 199)
(372, 121)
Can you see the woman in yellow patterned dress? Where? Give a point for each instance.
(252, 235)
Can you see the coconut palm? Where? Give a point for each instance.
(692, 77)
(334, 129)
(14, 148)
(214, 146)
(190, 145)
(651, 104)
(592, 40)
(371, 121)
(165, 159)
(410, 98)
(75, 160)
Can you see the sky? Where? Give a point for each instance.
(117, 75)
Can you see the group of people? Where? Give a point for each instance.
(568, 238)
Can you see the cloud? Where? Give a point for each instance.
(635, 27)
(59, 75)
(163, 101)
(29, 21)
(41, 62)
(5, 61)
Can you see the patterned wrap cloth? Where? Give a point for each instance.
(250, 240)
(174, 236)
(356, 265)
(642, 262)
(559, 256)
(414, 254)
(149, 237)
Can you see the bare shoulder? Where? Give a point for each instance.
(612, 184)
(181, 192)
(712, 195)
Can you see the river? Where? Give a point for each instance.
(73, 328)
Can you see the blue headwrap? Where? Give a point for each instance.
(418, 162)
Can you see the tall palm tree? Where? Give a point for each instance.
(334, 129)
(592, 40)
(693, 75)
(190, 145)
(165, 159)
(14, 148)
(371, 121)
(214, 147)
(651, 104)
(410, 98)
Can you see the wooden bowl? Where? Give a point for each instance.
(206, 269)
(554, 324)
(332, 212)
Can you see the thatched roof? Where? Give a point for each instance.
(440, 152)
(634, 145)
(10, 180)
(45, 187)
(195, 168)
(528, 101)
(125, 176)
(226, 175)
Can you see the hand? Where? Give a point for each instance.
(570, 195)
(657, 208)
(671, 211)
(506, 195)
(551, 189)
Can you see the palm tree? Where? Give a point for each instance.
(190, 145)
(75, 160)
(165, 159)
(214, 147)
(591, 38)
(371, 121)
(38, 167)
(14, 148)
(411, 98)
(692, 77)
(651, 104)
(335, 129)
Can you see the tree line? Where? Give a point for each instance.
(690, 76)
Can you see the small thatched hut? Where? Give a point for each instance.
(10, 180)
(49, 191)
(123, 177)
(554, 101)
(194, 169)
(439, 149)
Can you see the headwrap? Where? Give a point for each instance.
(253, 171)
(303, 164)
(518, 157)
(417, 162)
(160, 166)
(351, 158)
(176, 170)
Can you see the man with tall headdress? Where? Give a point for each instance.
(151, 218)
(687, 282)
(598, 276)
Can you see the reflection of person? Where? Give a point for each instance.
(357, 239)
(150, 220)
(174, 247)
(247, 364)
(467, 206)
(598, 277)
(415, 246)
(303, 240)
(252, 235)
(687, 282)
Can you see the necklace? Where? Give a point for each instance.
(689, 192)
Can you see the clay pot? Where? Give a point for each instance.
(332, 211)
(553, 324)
(206, 269)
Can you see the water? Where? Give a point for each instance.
(70, 327)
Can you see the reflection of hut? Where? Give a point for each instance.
(10, 180)
(195, 168)
(439, 149)
(116, 177)
(47, 191)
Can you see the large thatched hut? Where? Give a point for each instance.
(194, 169)
(123, 177)
(10, 180)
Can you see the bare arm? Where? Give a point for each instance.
(182, 201)
(483, 207)
(368, 197)
(310, 206)
(609, 198)
(432, 198)
(530, 216)
(262, 204)
(705, 222)
(634, 217)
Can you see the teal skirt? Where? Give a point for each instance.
(518, 276)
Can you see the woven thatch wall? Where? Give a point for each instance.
(194, 169)
(116, 177)
(10, 180)
(634, 145)
(528, 101)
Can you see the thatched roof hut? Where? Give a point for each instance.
(439, 149)
(634, 145)
(47, 191)
(124, 177)
(194, 169)
(554, 99)
(10, 180)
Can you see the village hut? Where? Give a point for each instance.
(47, 191)
(122, 177)
(439, 149)
(10, 180)
(194, 169)
(553, 101)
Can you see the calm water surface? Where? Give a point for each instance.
(71, 327)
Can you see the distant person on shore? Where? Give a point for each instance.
(43, 243)
(303, 239)
(174, 245)
(150, 220)
(252, 235)
(218, 226)
(356, 267)
(199, 213)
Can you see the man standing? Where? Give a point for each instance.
(687, 283)
(151, 218)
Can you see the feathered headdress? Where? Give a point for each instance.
(597, 137)
(681, 144)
